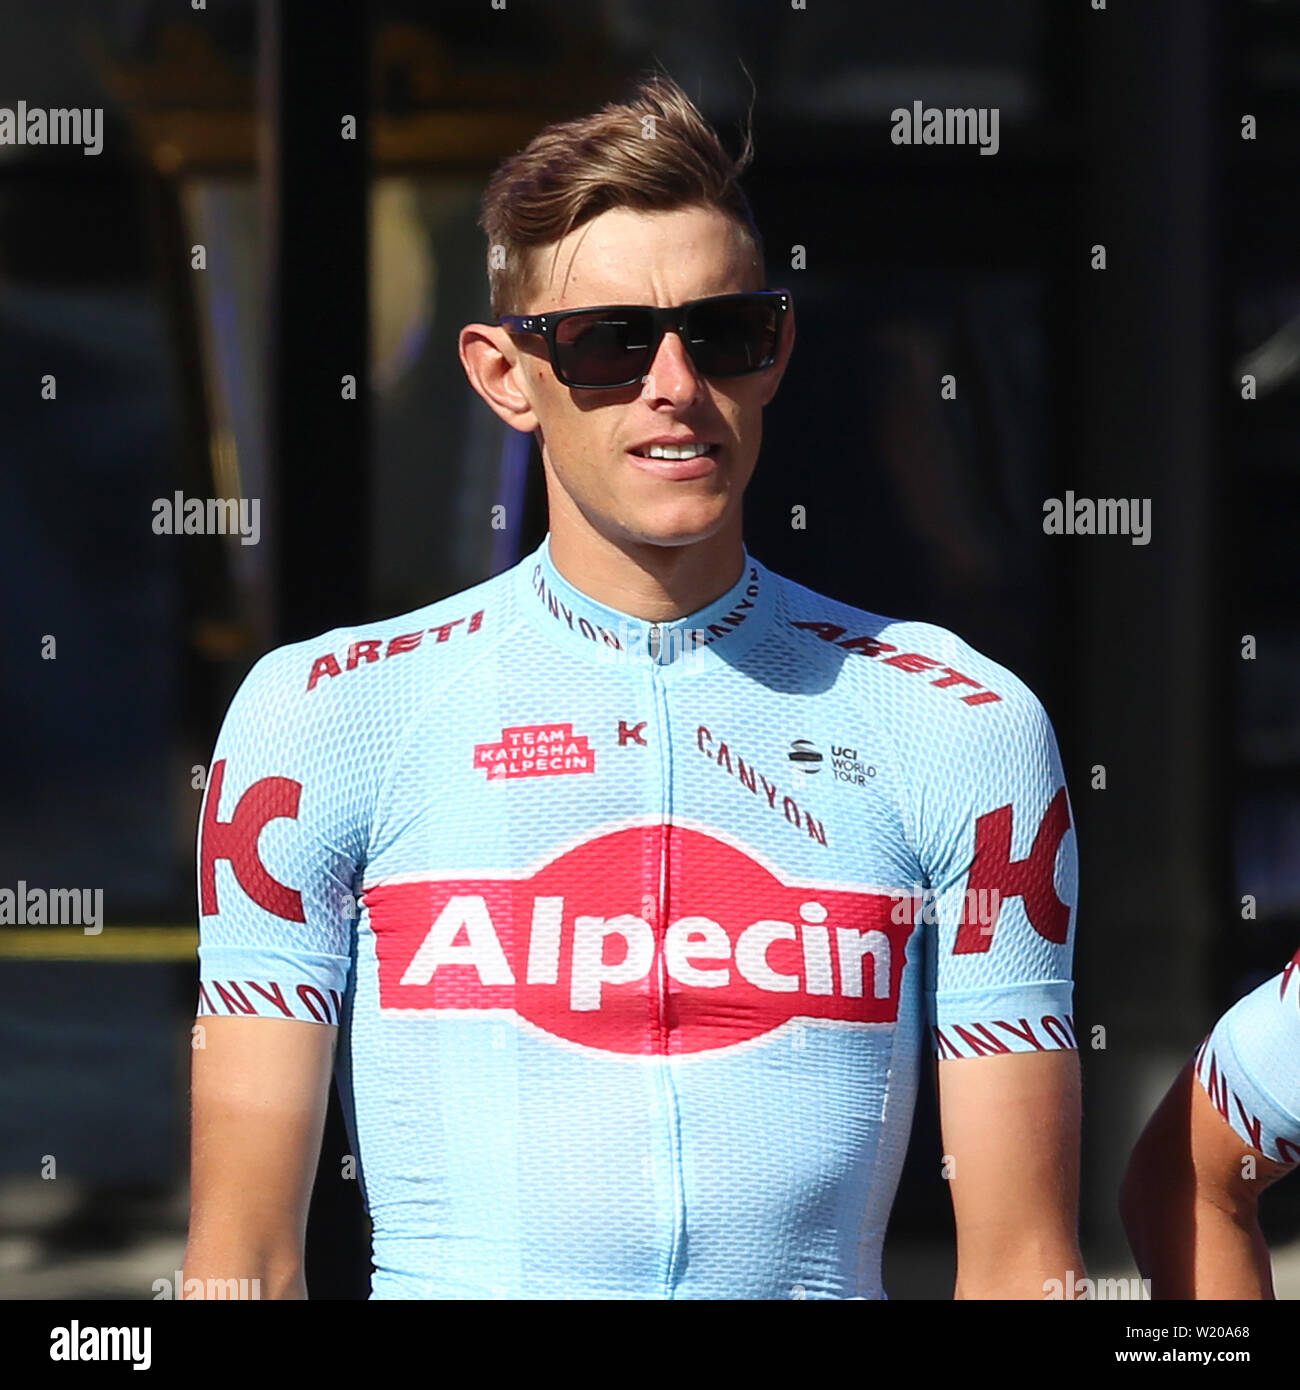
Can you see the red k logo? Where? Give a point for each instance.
(236, 841)
(994, 876)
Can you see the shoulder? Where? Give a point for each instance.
(437, 632)
(1267, 1019)
(376, 667)
(1247, 1065)
(916, 672)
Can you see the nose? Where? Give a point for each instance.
(672, 376)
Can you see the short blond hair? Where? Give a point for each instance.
(652, 153)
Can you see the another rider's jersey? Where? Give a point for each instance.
(634, 931)
(1250, 1066)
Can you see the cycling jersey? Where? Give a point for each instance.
(1250, 1066)
(633, 931)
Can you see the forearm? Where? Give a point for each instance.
(239, 1267)
(1021, 1266)
(1197, 1249)
(245, 1238)
(1230, 1259)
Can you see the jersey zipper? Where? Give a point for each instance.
(663, 1068)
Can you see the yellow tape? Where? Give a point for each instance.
(111, 944)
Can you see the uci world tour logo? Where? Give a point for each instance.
(845, 764)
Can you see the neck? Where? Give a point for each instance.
(657, 583)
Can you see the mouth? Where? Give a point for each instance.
(679, 461)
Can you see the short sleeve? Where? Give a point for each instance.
(1249, 1066)
(279, 844)
(998, 852)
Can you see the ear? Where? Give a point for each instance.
(772, 377)
(493, 364)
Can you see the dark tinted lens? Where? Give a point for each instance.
(733, 337)
(602, 349)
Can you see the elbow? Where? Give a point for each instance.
(285, 1282)
(242, 1272)
(262, 1283)
(1152, 1185)
(1135, 1194)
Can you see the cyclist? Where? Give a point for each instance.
(621, 890)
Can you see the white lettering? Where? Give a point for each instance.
(751, 956)
(544, 941)
(590, 973)
(482, 950)
(854, 947)
(700, 938)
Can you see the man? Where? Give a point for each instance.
(651, 848)
(1228, 1127)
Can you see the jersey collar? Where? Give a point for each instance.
(720, 632)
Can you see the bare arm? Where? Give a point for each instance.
(260, 1089)
(1011, 1139)
(1190, 1203)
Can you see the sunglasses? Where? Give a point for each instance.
(600, 349)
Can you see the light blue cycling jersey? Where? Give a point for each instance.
(1250, 1066)
(633, 931)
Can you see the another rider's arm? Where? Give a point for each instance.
(1228, 1127)
(996, 844)
(1190, 1213)
(282, 835)
(260, 1088)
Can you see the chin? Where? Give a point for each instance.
(685, 526)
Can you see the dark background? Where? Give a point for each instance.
(1120, 127)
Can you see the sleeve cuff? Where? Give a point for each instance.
(1257, 1116)
(987, 1022)
(252, 982)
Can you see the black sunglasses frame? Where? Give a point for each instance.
(544, 326)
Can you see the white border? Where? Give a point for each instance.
(535, 1030)
(639, 822)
